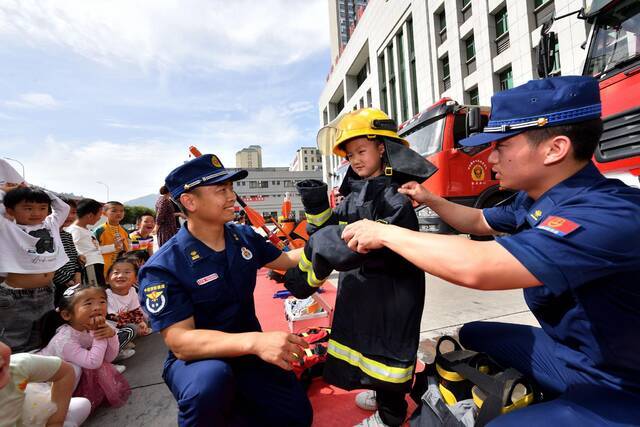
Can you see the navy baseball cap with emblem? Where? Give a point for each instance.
(539, 103)
(204, 170)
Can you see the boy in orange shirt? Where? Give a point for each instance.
(111, 236)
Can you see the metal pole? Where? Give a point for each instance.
(107, 187)
(9, 158)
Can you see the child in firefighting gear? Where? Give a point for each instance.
(375, 329)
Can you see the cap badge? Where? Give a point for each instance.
(246, 253)
(215, 161)
(542, 121)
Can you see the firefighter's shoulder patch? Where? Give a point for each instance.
(558, 225)
(155, 297)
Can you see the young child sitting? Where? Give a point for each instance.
(23, 407)
(123, 306)
(89, 212)
(113, 239)
(89, 344)
(376, 324)
(30, 252)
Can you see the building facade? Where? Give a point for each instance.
(250, 157)
(404, 55)
(264, 189)
(306, 159)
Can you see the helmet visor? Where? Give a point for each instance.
(328, 135)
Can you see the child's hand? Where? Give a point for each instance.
(96, 322)
(143, 329)
(103, 332)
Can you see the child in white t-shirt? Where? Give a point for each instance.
(30, 252)
(89, 212)
(123, 306)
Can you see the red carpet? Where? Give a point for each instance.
(332, 407)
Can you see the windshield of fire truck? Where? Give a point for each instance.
(427, 140)
(616, 39)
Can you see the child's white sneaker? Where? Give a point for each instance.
(367, 400)
(120, 368)
(124, 354)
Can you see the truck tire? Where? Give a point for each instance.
(489, 199)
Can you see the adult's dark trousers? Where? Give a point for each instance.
(578, 400)
(243, 391)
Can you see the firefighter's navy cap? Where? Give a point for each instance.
(204, 170)
(539, 103)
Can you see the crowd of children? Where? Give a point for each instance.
(68, 303)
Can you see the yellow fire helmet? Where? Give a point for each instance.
(368, 122)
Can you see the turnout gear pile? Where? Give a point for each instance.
(380, 297)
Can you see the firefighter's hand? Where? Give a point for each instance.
(416, 192)
(279, 348)
(364, 235)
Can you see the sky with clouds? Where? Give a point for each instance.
(117, 90)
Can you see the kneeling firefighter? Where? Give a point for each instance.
(375, 329)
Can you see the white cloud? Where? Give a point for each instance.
(171, 34)
(139, 166)
(34, 100)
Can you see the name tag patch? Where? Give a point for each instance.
(206, 279)
(558, 225)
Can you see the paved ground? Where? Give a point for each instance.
(447, 308)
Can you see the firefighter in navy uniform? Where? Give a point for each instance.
(572, 246)
(198, 291)
(375, 330)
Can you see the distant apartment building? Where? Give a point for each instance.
(343, 18)
(404, 55)
(306, 159)
(250, 157)
(265, 188)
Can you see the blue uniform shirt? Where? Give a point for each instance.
(581, 239)
(186, 278)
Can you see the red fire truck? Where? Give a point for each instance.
(464, 175)
(613, 56)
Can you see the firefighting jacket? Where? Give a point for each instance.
(376, 322)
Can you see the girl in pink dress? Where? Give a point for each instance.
(90, 345)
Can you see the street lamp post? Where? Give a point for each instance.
(18, 161)
(107, 187)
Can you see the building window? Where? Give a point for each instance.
(339, 105)
(402, 69)
(392, 82)
(369, 102)
(502, 30)
(258, 184)
(446, 80)
(465, 8)
(506, 79)
(474, 97)
(412, 68)
(470, 49)
(442, 25)
(362, 74)
(502, 26)
(556, 59)
(382, 80)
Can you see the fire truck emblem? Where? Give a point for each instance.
(477, 173)
(155, 298)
